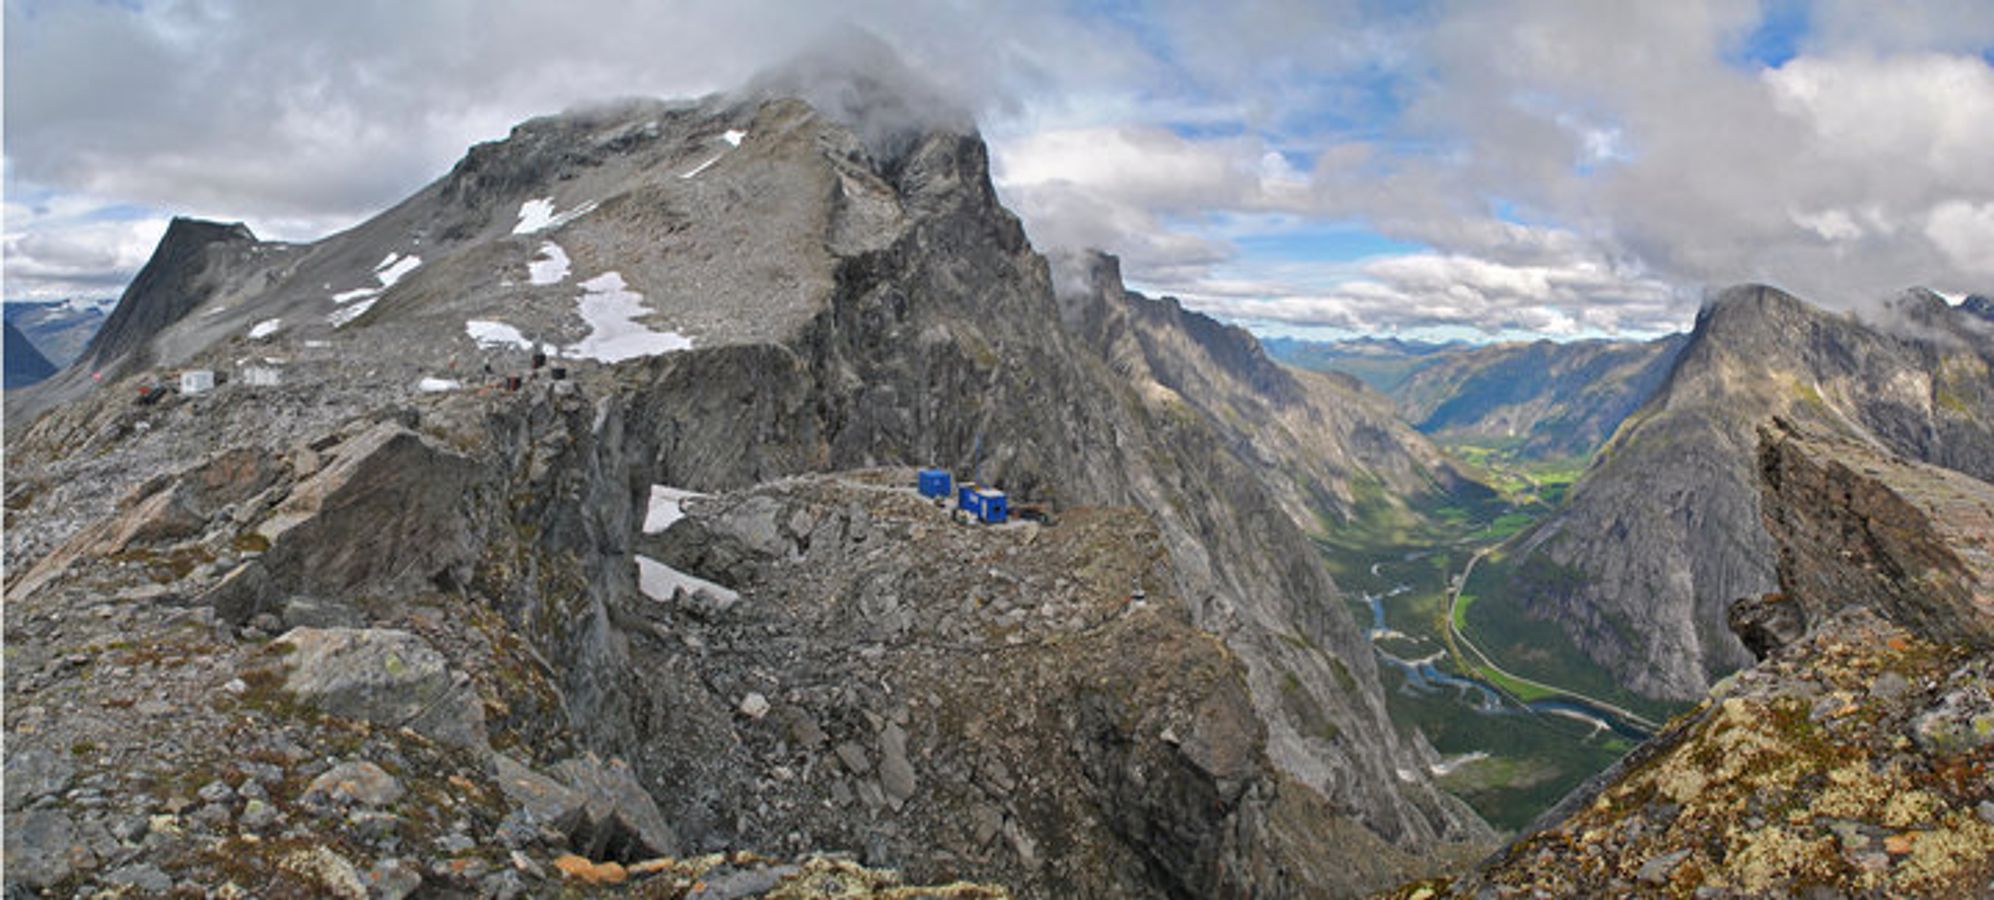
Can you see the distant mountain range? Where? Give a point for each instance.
(1537, 400)
(58, 328)
(1382, 363)
(25, 364)
(1540, 399)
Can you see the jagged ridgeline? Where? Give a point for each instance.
(413, 529)
(1662, 532)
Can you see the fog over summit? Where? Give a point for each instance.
(1456, 170)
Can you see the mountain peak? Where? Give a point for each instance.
(1980, 305)
(170, 286)
(859, 81)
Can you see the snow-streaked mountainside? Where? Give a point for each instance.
(742, 292)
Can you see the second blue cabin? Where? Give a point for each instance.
(934, 482)
(990, 507)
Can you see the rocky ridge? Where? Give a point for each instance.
(1662, 531)
(1854, 759)
(845, 311)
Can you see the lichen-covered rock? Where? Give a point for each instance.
(43, 848)
(384, 676)
(356, 782)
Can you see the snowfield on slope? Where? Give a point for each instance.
(661, 582)
(611, 309)
(549, 267)
(664, 508)
(538, 215)
(490, 335)
(391, 269)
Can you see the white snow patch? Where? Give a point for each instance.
(391, 269)
(496, 334)
(550, 267)
(660, 582)
(702, 166)
(665, 509)
(318, 344)
(611, 309)
(733, 137)
(265, 328)
(438, 385)
(534, 215)
(538, 215)
(340, 317)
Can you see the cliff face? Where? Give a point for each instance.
(1859, 527)
(845, 311)
(1662, 531)
(1322, 442)
(1855, 758)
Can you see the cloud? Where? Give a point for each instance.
(1576, 165)
(1451, 291)
(1965, 231)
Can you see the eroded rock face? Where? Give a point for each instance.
(1859, 527)
(389, 513)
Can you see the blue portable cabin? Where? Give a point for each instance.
(992, 507)
(934, 482)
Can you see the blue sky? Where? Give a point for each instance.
(1493, 168)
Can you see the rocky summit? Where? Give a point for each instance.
(555, 531)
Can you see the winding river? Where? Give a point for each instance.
(1424, 675)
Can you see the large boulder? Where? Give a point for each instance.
(387, 515)
(600, 807)
(384, 676)
(43, 848)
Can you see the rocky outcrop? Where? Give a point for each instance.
(839, 685)
(1851, 761)
(1662, 532)
(1857, 526)
(390, 678)
(388, 512)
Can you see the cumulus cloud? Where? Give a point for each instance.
(1558, 166)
